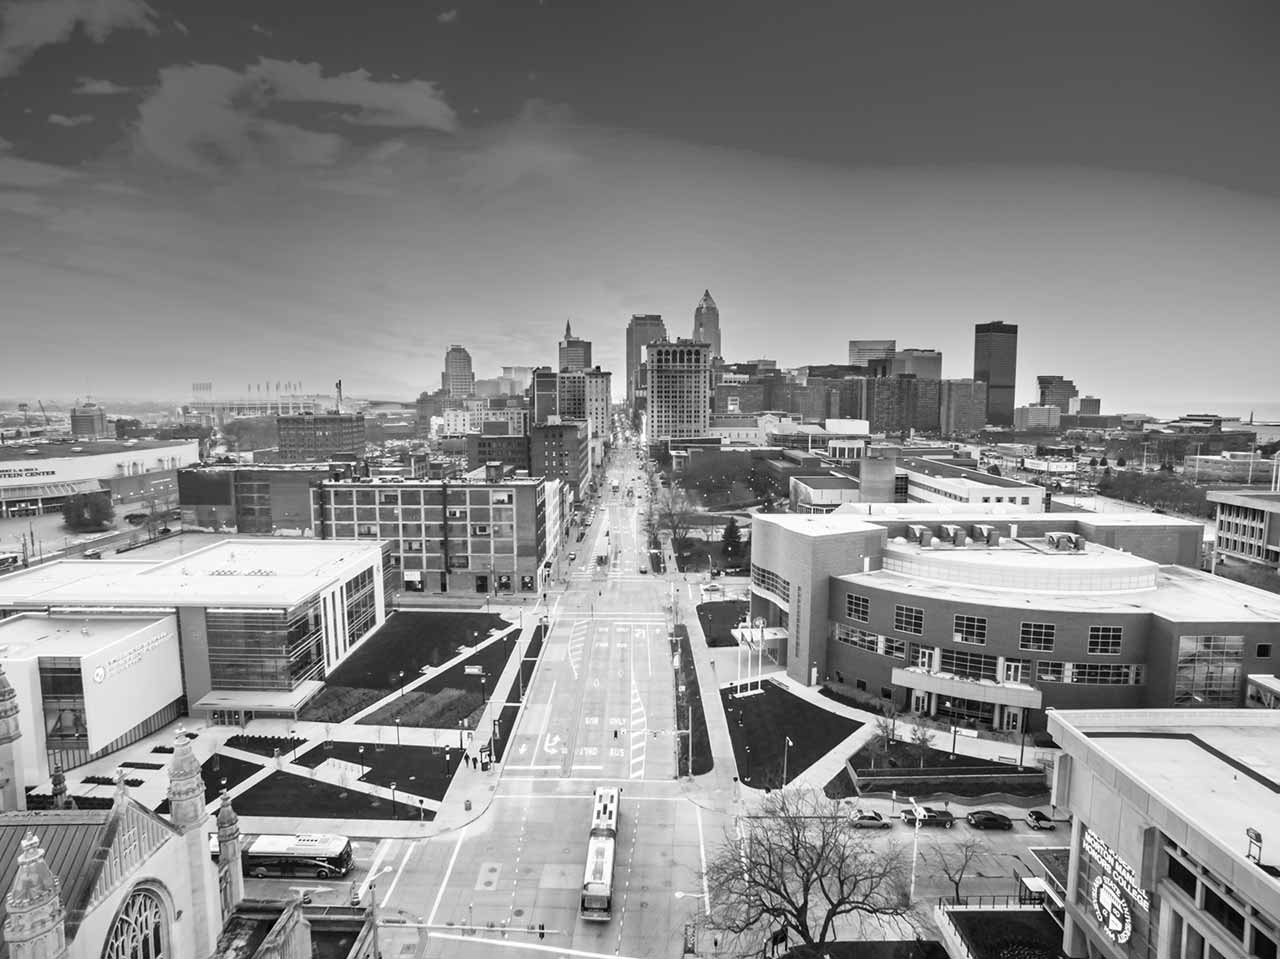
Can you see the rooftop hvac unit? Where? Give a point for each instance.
(916, 532)
(1062, 541)
(954, 534)
(981, 530)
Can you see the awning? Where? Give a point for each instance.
(48, 490)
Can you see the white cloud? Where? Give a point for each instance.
(26, 204)
(98, 88)
(406, 103)
(27, 174)
(181, 28)
(60, 120)
(5, 145)
(260, 29)
(28, 25)
(449, 16)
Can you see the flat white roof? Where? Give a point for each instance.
(37, 634)
(818, 524)
(256, 572)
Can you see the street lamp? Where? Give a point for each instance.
(786, 746)
(915, 846)
(951, 717)
(293, 753)
(759, 624)
(397, 730)
(747, 777)
(402, 682)
(393, 800)
(462, 724)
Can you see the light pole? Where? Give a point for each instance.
(760, 624)
(915, 847)
(786, 746)
(951, 717)
(397, 730)
(293, 753)
(402, 683)
(747, 777)
(462, 724)
(393, 800)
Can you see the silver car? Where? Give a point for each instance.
(860, 819)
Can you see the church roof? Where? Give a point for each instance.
(706, 303)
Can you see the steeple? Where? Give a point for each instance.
(230, 873)
(706, 303)
(36, 922)
(60, 798)
(13, 794)
(186, 786)
(568, 332)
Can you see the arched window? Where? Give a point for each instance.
(141, 930)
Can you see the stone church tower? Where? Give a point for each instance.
(35, 927)
(13, 793)
(189, 816)
(230, 872)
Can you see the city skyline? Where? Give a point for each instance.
(223, 185)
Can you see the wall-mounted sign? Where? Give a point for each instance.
(1111, 909)
(1116, 869)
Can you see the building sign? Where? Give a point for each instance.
(129, 658)
(1121, 874)
(25, 472)
(1111, 910)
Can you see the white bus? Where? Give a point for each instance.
(597, 883)
(10, 561)
(315, 855)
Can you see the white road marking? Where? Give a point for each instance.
(383, 848)
(431, 919)
(403, 862)
(702, 851)
(546, 719)
(534, 946)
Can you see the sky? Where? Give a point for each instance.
(309, 190)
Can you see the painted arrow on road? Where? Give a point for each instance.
(550, 745)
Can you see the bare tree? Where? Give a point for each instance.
(797, 868)
(955, 861)
(674, 514)
(886, 732)
(921, 742)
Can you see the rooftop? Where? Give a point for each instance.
(1249, 499)
(46, 451)
(243, 571)
(827, 482)
(944, 470)
(39, 634)
(816, 524)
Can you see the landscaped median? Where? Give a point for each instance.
(719, 618)
(691, 721)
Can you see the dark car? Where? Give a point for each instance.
(986, 819)
(929, 817)
(1038, 820)
(859, 819)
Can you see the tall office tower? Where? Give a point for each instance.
(575, 352)
(585, 395)
(706, 323)
(1057, 391)
(995, 362)
(457, 378)
(679, 390)
(926, 364)
(865, 352)
(643, 329)
(963, 406)
(545, 390)
(1085, 406)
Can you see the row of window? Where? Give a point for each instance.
(1091, 674)
(871, 642)
(415, 497)
(770, 582)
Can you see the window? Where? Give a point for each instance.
(886, 692)
(1105, 640)
(1230, 918)
(770, 582)
(860, 685)
(857, 638)
(1210, 671)
(455, 513)
(857, 607)
(142, 929)
(1037, 637)
(479, 529)
(1182, 877)
(908, 619)
(1264, 947)
(1048, 672)
(1264, 652)
(971, 629)
(958, 662)
(896, 648)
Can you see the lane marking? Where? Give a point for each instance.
(384, 846)
(448, 873)
(702, 851)
(399, 872)
(532, 946)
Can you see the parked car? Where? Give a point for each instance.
(986, 819)
(929, 817)
(860, 819)
(1038, 820)
(572, 557)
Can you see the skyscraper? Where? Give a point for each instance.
(1057, 391)
(706, 323)
(995, 362)
(643, 329)
(865, 352)
(679, 390)
(926, 364)
(457, 378)
(575, 352)
(963, 406)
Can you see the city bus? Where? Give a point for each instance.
(316, 855)
(10, 561)
(597, 883)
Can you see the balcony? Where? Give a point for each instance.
(962, 687)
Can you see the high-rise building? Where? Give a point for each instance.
(643, 329)
(926, 364)
(995, 362)
(963, 406)
(458, 378)
(1035, 417)
(88, 422)
(575, 352)
(865, 352)
(1085, 405)
(585, 395)
(706, 323)
(679, 390)
(1057, 391)
(319, 437)
(560, 449)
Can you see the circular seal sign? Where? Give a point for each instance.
(1111, 909)
(99, 674)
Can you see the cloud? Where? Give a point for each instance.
(98, 88)
(181, 28)
(28, 25)
(260, 29)
(25, 204)
(448, 16)
(27, 174)
(210, 119)
(59, 120)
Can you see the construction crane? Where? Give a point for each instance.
(45, 412)
(26, 416)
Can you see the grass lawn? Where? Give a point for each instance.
(420, 770)
(1008, 935)
(265, 745)
(720, 617)
(449, 696)
(700, 555)
(902, 755)
(764, 721)
(215, 769)
(410, 640)
(286, 794)
(689, 708)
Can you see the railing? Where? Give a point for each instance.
(1029, 903)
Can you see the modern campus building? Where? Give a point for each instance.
(575, 352)
(995, 362)
(706, 323)
(989, 618)
(1174, 814)
(319, 437)
(485, 532)
(679, 390)
(259, 624)
(642, 329)
(39, 477)
(1248, 525)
